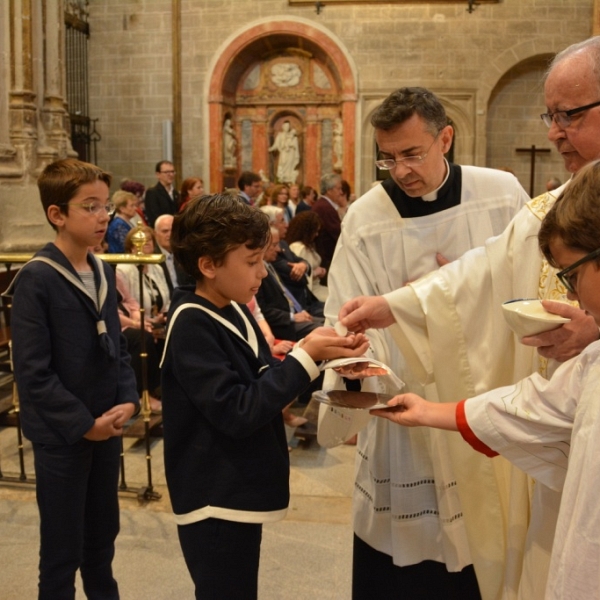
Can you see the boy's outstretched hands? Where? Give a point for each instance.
(325, 344)
(365, 312)
(110, 424)
(411, 410)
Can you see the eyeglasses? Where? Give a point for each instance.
(385, 164)
(167, 172)
(563, 117)
(567, 277)
(94, 208)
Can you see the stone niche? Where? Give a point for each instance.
(289, 107)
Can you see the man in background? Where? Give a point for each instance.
(163, 198)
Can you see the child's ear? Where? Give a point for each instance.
(55, 216)
(206, 266)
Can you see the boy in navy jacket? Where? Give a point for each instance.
(226, 456)
(75, 384)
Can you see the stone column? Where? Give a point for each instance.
(23, 114)
(349, 120)
(53, 111)
(8, 152)
(260, 141)
(312, 145)
(215, 116)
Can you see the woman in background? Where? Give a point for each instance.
(192, 187)
(120, 224)
(301, 234)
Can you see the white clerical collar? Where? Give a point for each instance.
(433, 195)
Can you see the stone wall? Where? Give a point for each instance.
(440, 46)
(485, 66)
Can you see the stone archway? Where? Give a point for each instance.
(277, 71)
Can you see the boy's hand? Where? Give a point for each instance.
(325, 344)
(124, 412)
(105, 427)
(569, 339)
(404, 409)
(411, 410)
(110, 424)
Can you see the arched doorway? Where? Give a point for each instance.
(282, 102)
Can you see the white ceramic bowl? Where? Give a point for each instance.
(528, 317)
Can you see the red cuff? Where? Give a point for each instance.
(467, 432)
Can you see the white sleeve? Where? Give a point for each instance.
(530, 423)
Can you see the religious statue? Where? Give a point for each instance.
(338, 143)
(286, 143)
(229, 146)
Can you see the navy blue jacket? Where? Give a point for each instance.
(64, 376)
(224, 438)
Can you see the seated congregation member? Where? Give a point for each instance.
(155, 289)
(139, 189)
(174, 275)
(121, 224)
(226, 457)
(293, 271)
(294, 199)
(548, 428)
(192, 187)
(301, 234)
(308, 196)
(327, 207)
(280, 197)
(285, 315)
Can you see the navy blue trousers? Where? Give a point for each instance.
(222, 558)
(76, 489)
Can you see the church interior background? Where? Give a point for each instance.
(211, 84)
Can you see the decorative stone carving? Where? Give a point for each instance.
(320, 78)
(285, 74)
(253, 78)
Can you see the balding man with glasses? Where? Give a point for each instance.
(450, 329)
(411, 519)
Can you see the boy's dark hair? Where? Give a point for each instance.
(248, 178)
(213, 226)
(575, 217)
(402, 104)
(60, 181)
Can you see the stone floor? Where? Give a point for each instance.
(306, 556)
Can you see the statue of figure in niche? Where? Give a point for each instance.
(338, 143)
(229, 146)
(286, 143)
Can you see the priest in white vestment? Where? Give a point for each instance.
(409, 502)
(449, 325)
